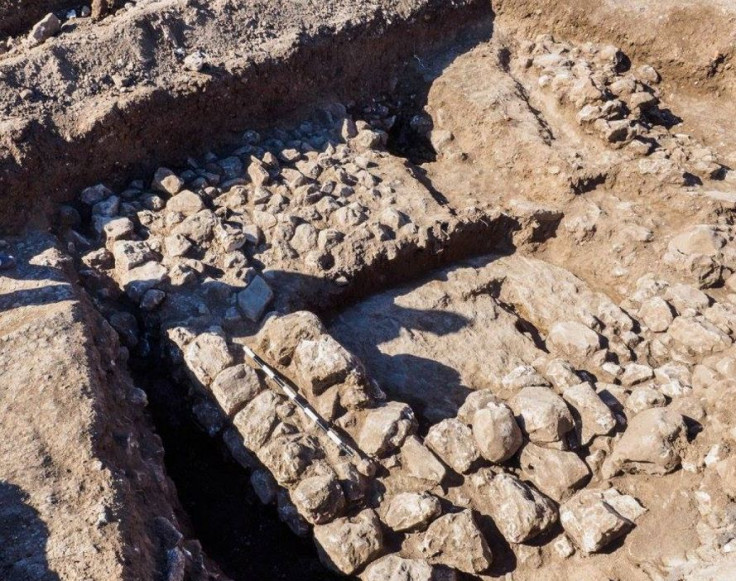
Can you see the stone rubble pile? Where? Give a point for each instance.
(312, 210)
(619, 105)
(705, 254)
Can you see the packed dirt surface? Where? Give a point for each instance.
(83, 493)
(448, 288)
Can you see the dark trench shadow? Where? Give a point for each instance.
(244, 537)
(23, 538)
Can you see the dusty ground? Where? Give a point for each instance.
(82, 478)
(492, 248)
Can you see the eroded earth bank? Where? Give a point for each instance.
(490, 249)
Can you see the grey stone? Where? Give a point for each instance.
(264, 485)
(152, 299)
(94, 194)
(255, 298)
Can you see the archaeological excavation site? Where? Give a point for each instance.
(385, 290)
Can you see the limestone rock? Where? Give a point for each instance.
(235, 386)
(591, 522)
(453, 442)
(44, 29)
(288, 456)
(142, 278)
(698, 336)
(521, 377)
(258, 173)
(656, 314)
(111, 229)
(456, 541)
(700, 239)
(396, 568)
(542, 414)
(185, 202)
(561, 374)
(476, 400)
(410, 511)
(652, 442)
(207, 356)
(687, 300)
(198, 228)
(420, 462)
(554, 472)
(129, 254)
(573, 340)
(496, 432)
(322, 362)
(635, 373)
(348, 544)
(166, 181)
(519, 511)
(643, 397)
(280, 335)
(386, 427)
(176, 245)
(319, 498)
(596, 418)
(256, 420)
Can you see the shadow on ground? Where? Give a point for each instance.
(23, 537)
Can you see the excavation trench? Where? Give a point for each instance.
(241, 535)
(245, 538)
